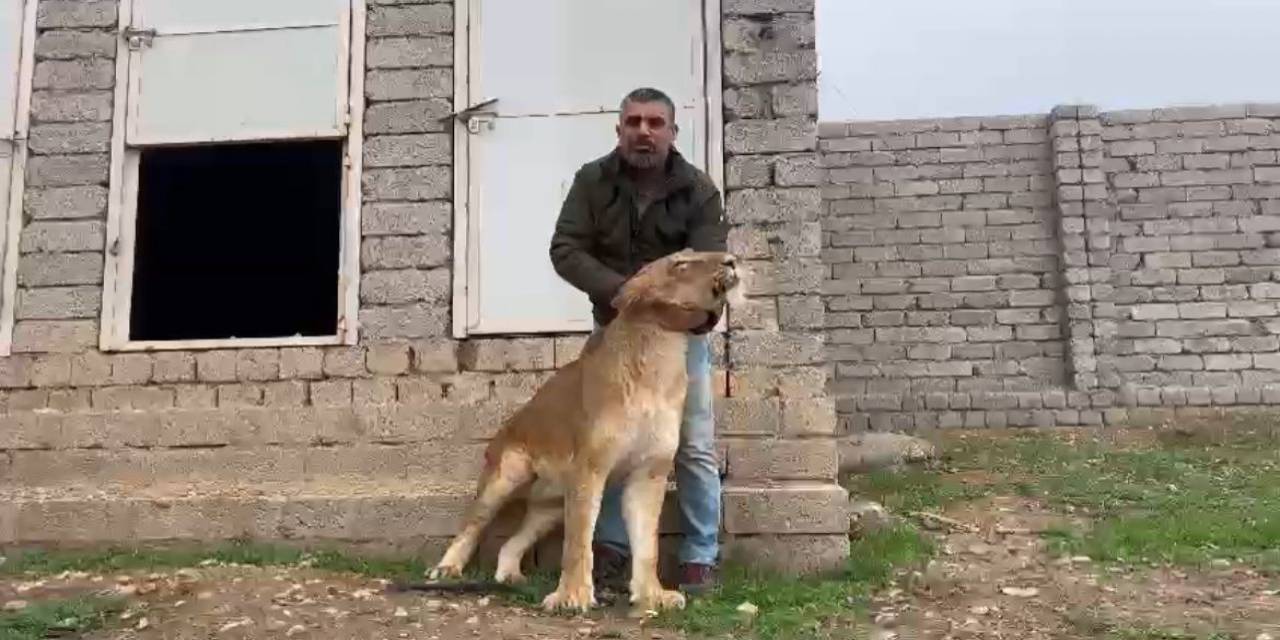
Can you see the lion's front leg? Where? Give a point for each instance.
(582, 506)
(642, 505)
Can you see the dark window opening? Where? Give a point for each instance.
(237, 241)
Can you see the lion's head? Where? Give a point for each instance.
(685, 291)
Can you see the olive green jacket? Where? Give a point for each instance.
(600, 239)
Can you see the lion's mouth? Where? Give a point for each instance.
(712, 320)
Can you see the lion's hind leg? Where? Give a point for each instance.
(512, 472)
(545, 510)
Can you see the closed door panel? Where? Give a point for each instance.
(561, 56)
(523, 168)
(232, 81)
(10, 54)
(239, 86)
(185, 16)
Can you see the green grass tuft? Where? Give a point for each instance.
(1178, 499)
(820, 607)
(61, 617)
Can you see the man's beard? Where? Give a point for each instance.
(644, 160)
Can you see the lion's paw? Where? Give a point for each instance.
(580, 599)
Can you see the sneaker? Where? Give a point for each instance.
(696, 578)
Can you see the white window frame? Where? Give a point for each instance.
(10, 233)
(122, 212)
(464, 192)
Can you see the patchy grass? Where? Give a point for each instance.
(788, 608)
(914, 490)
(60, 617)
(1183, 496)
(826, 607)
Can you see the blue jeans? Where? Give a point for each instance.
(697, 472)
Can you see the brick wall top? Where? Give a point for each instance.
(844, 128)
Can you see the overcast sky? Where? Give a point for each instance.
(925, 58)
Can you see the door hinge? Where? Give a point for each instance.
(138, 38)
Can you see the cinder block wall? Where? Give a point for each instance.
(378, 443)
(1061, 268)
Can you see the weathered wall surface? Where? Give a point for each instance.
(1051, 269)
(380, 442)
(944, 267)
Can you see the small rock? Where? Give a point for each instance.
(433, 605)
(1220, 563)
(1264, 636)
(143, 623)
(15, 605)
(473, 620)
(295, 630)
(401, 613)
(1020, 592)
(877, 450)
(235, 624)
(483, 602)
(866, 517)
(980, 610)
(748, 610)
(1081, 559)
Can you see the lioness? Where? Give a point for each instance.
(614, 412)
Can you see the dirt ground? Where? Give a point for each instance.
(241, 602)
(991, 579)
(994, 579)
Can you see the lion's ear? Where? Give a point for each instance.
(674, 317)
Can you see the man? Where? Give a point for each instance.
(639, 202)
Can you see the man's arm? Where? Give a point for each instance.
(570, 245)
(708, 230)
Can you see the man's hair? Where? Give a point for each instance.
(649, 94)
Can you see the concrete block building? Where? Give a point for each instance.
(277, 270)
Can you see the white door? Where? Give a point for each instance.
(11, 28)
(237, 70)
(10, 57)
(557, 70)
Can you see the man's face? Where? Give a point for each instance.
(645, 133)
